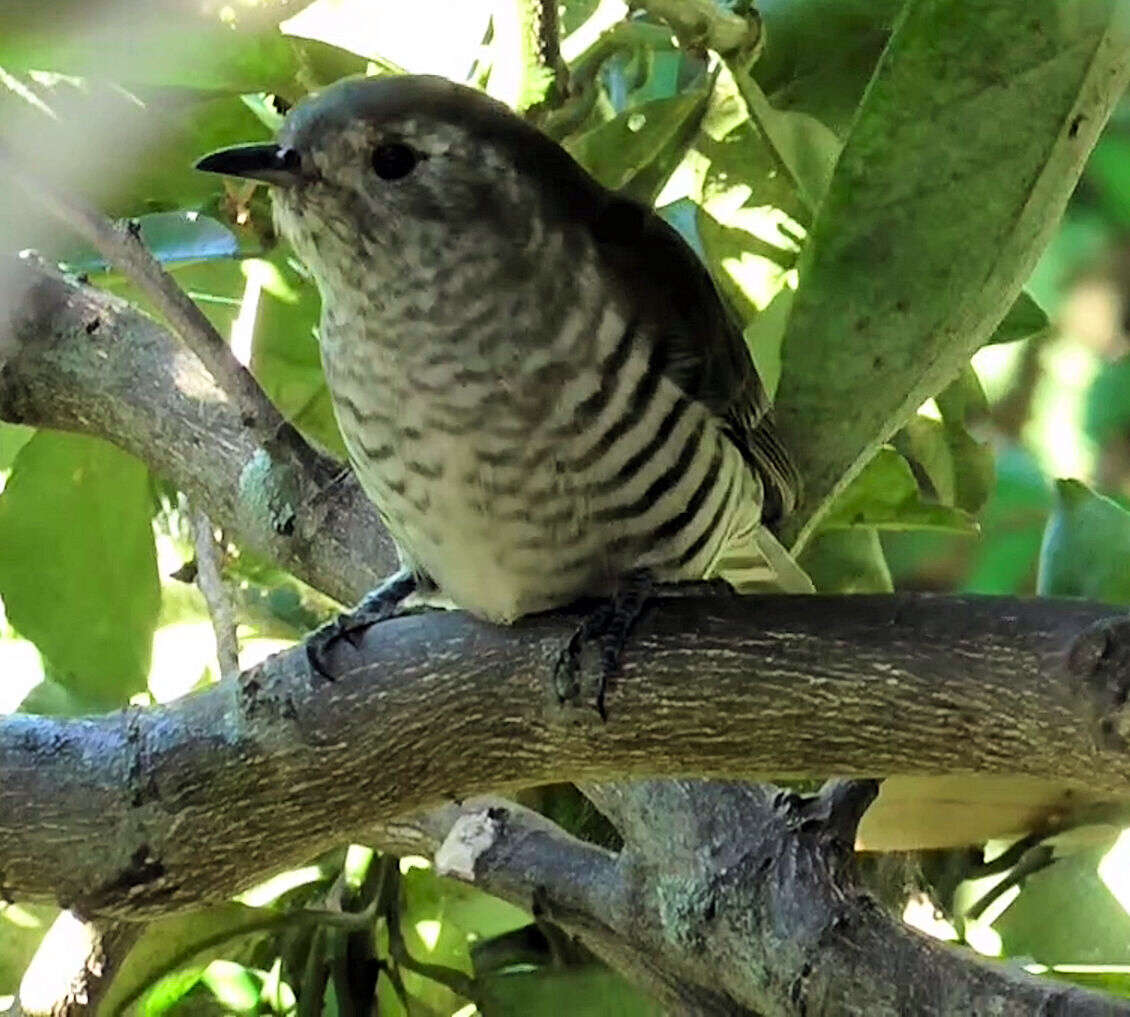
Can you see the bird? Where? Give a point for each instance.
(535, 377)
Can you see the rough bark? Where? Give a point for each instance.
(143, 811)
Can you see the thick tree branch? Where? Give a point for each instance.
(74, 967)
(77, 358)
(208, 794)
(768, 922)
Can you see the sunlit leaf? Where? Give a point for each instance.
(1089, 925)
(619, 152)
(235, 987)
(76, 536)
(943, 197)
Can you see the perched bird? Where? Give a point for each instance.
(535, 378)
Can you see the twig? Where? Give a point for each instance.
(216, 594)
(707, 24)
(541, 22)
(121, 245)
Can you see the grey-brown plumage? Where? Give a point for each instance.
(535, 378)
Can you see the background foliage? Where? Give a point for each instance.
(1015, 479)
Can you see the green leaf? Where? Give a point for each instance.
(169, 991)
(1089, 925)
(1025, 320)
(847, 561)
(1108, 402)
(1011, 526)
(763, 337)
(1086, 547)
(155, 966)
(170, 237)
(801, 145)
(965, 149)
(50, 699)
(819, 54)
(13, 437)
(285, 357)
(960, 469)
(178, 49)
(621, 152)
(78, 572)
(750, 271)
(744, 173)
(235, 987)
(132, 154)
(885, 496)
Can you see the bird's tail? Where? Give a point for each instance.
(762, 564)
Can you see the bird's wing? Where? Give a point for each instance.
(702, 349)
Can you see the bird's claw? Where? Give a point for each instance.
(609, 627)
(380, 605)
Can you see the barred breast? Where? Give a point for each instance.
(524, 468)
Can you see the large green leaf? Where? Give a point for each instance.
(78, 569)
(819, 54)
(963, 154)
(1089, 925)
(1086, 547)
(169, 944)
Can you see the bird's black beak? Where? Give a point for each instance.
(269, 163)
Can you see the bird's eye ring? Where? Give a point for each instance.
(393, 160)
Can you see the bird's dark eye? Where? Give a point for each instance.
(393, 160)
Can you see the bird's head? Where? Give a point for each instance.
(405, 166)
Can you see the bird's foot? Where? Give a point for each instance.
(378, 605)
(608, 628)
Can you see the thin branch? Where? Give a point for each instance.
(216, 594)
(121, 245)
(707, 24)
